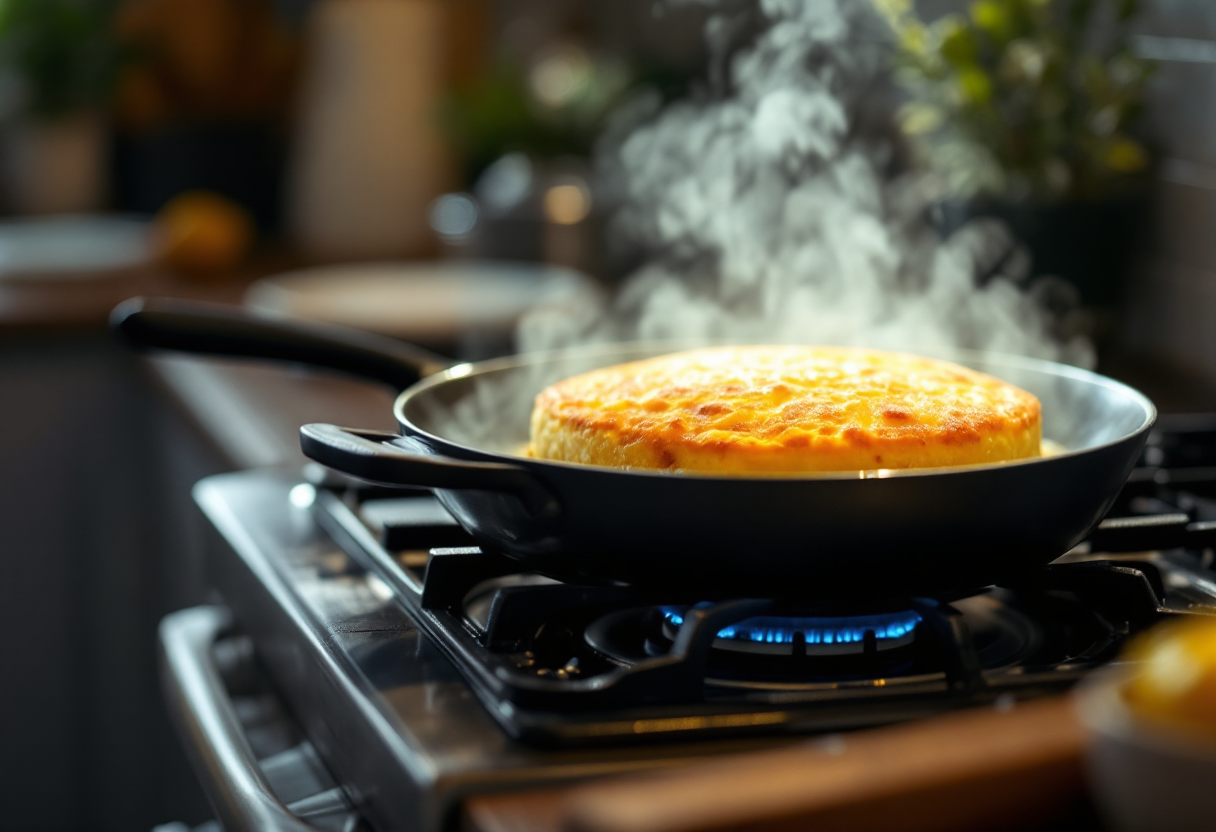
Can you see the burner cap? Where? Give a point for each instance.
(821, 635)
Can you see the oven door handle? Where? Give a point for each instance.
(210, 730)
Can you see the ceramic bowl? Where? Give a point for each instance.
(1144, 777)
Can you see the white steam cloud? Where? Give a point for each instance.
(767, 217)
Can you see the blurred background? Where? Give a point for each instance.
(433, 170)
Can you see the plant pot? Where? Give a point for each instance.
(1091, 245)
(58, 166)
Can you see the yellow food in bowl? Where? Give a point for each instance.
(741, 410)
(1176, 682)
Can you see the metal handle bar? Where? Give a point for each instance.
(212, 733)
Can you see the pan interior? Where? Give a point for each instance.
(487, 407)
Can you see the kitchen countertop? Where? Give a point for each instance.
(974, 770)
(252, 412)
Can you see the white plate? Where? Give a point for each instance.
(424, 300)
(73, 247)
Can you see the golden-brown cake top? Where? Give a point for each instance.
(785, 409)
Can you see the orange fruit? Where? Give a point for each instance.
(1176, 682)
(204, 233)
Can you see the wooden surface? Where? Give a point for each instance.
(982, 769)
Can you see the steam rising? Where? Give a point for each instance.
(767, 219)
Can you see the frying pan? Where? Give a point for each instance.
(822, 538)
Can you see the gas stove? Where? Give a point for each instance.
(559, 663)
(425, 669)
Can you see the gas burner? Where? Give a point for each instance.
(820, 652)
(812, 636)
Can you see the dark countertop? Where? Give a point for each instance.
(252, 412)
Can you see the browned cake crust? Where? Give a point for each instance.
(738, 410)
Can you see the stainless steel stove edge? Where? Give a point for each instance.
(325, 689)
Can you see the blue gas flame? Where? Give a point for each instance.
(844, 630)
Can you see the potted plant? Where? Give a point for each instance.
(58, 62)
(1026, 110)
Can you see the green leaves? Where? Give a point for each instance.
(958, 44)
(974, 86)
(60, 51)
(1126, 156)
(994, 18)
(1013, 99)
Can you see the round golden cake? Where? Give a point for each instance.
(743, 410)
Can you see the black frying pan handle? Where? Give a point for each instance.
(215, 329)
(370, 455)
